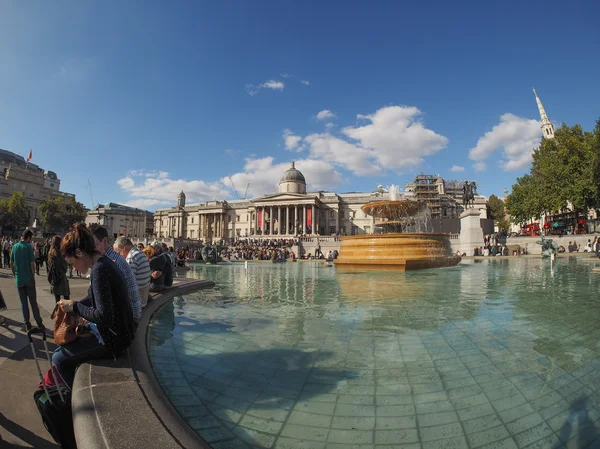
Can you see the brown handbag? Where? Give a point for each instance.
(65, 325)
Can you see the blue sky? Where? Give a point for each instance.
(145, 100)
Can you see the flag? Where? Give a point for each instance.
(30, 155)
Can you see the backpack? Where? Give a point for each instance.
(53, 274)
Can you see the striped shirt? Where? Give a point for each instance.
(132, 287)
(140, 266)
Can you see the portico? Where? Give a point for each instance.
(293, 215)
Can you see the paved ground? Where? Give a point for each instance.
(20, 422)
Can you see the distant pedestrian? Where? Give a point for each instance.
(57, 272)
(22, 264)
(6, 251)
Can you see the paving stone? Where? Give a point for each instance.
(487, 436)
(441, 432)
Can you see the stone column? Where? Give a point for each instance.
(271, 220)
(296, 220)
(337, 221)
(255, 220)
(304, 219)
(278, 220)
(287, 220)
(314, 221)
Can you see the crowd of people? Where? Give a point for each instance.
(121, 276)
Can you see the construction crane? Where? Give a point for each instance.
(233, 187)
(246, 193)
(91, 194)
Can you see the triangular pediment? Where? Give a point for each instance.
(283, 197)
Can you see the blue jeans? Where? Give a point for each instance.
(67, 358)
(28, 291)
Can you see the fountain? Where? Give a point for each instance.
(403, 239)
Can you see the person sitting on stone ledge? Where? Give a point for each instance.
(157, 267)
(168, 271)
(100, 235)
(138, 263)
(106, 308)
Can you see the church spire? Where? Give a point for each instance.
(547, 126)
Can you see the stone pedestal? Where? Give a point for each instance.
(471, 234)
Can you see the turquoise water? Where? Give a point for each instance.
(493, 353)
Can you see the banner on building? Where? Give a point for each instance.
(260, 218)
(309, 217)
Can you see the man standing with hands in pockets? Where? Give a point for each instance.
(22, 264)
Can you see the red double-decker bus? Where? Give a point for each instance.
(531, 229)
(566, 223)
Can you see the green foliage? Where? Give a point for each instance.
(52, 211)
(498, 212)
(565, 170)
(57, 215)
(18, 212)
(74, 211)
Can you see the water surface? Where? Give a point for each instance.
(494, 353)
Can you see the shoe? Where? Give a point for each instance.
(28, 327)
(40, 326)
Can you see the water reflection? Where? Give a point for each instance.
(282, 347)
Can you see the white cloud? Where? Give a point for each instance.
(457, 168)
(286, 75)
(515, 136)
(146, 202)
(479, 166)
(291, 141)
(148, 174)
(305, 82)
(163, 190)
(272, 84)
(326, 147)
(126, 183)
(261, 174)
(329, 125)
(396, 137)
(253, 89)
(325, 114)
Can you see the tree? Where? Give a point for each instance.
(498, 212)
(57, 215)
(565, 172)
(74, 212)
(52, 214)
(4, 214)
(18, 211)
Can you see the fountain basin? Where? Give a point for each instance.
(399, 252)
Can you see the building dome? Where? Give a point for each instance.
(293, 175)
(292, 181)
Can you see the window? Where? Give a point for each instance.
(192, 221)
(192, 234)
(237, 218)
(332, 229)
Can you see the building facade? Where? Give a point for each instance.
(122, 220)
(291, 212)
(26, 177)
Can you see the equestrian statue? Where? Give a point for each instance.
(469, 192)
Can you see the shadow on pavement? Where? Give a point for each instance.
(23, 434)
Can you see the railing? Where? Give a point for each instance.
(319, 239)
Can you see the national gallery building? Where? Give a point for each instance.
(295, 212)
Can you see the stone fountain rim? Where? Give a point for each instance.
(384, 207)
(394, 235)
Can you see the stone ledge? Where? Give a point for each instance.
(119, 403)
